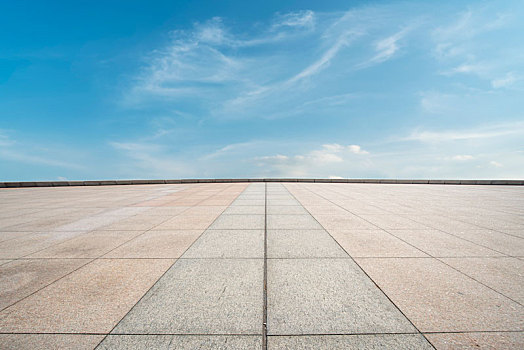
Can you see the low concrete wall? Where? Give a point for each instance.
(193, 181)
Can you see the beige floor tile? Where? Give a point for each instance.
(49, 341)
(28, 244)
(20, 278)
(394, 222)
(91, 300)
(374, 243)
(440, 244)
(477, 341)
(6, 236)
(205, 210)
(503, 243)
(164, 211)
(137, 223)
(88, 245)
(505, 275)
(437, 298)
(157, 244)
(343, 222)
(182, 222)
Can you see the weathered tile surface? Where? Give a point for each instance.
(201, 296)
(77, 263)
(322, 296)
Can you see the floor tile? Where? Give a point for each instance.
(88, 245)
(302, 244)
(286, 209)
(23, 246)
(365, 342)
(20, 278)
(393, 222)
(343, 222)
(480, 341)
(245, 209)
(157, 244)
(49, 341)
(503, 243)
(201, 296)
(182, 222)
(294, 222)
(319, 296)
(238, 222)
(505, 275)
(189, 342)
(374, 243)
(440, 244)
(437, 298)
(91, 300)
(228, 244)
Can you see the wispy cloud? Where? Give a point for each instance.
(329, 157)
(152, 160)
(508, 80)
(464, 45)
(30, 153)
(271, 71)
(299, 19)
(483, 132)
(386, 48)
(462, 157)
(323, 62)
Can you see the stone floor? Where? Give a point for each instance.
(323, 266)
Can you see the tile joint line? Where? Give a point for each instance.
(264, 321)
(361, 268)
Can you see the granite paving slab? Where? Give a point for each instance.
(185, 342)
(228, 244)
(49, 341)
(437, 298)
(201, 296)
(340, 342)
(91, 300)
(321, 296)
(302, 244)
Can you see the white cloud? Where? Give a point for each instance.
(505, 81)
(356, 149)
(436, 102)
(31, 153)
(295, 19)
(4, 139)
(495, 164)
(386, 48)
(323, 62)
(462, 157)
(278, 157)
(483, 132)
(468, 68)
(466, 44)
(316, 162)
(153, 160)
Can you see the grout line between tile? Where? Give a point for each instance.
(170, 267)
(430, 255)
(368, 276)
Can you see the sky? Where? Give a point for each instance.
(246, 89)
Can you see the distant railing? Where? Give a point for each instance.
(196, 181)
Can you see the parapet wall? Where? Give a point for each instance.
(193, 181)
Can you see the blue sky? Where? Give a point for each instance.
(196, 89)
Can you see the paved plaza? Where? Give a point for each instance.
(262, 265)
